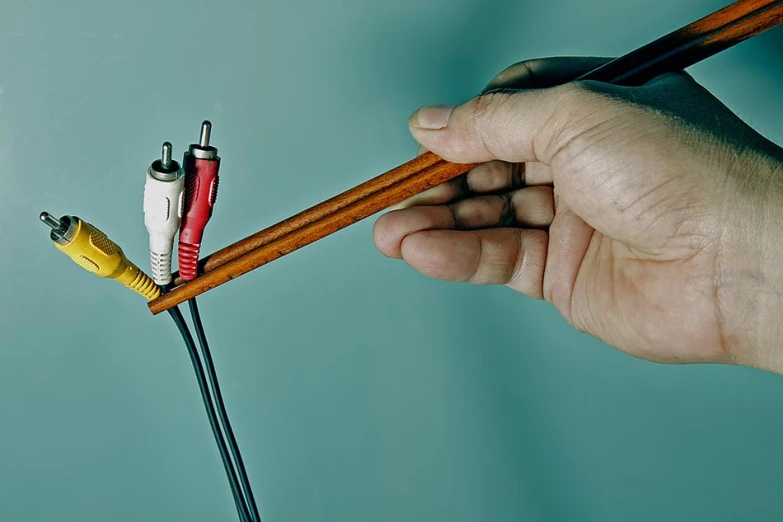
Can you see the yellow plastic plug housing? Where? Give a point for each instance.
(92, 250)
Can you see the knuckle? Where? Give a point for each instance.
(577, 108)
(488, 103)
(544, 206)
(486, 113)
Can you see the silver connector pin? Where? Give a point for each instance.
(50, 220)
(206, 130)
(165, 157)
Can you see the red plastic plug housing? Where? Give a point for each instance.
(201, 164)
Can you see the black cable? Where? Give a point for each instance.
(179, 320)
(206, 356)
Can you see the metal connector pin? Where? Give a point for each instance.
(50, 220)
(206, 130)
(63, 229)
(165, 156)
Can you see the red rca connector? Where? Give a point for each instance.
(201, 164)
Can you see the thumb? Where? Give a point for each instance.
(513, 126)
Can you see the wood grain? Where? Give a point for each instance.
(673, 52)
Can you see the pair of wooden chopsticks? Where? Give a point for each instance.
(673, 52)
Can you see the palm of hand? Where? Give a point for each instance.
(643, 279)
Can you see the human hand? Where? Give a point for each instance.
(648, 216)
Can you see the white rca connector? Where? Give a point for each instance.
(163, 193)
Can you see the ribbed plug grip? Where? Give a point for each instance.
(86, 263)
(188, 260)
(213, 196)
(144, 285)
(161, 268)
(191, 190)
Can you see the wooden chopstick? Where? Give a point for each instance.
(675, 51)
(691, 44)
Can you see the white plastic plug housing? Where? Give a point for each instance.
(162, 215)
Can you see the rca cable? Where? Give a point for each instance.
(178, 198)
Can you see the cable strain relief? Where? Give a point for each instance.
(145, 286)
(188, 260)
(161, 267)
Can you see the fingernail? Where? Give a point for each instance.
(433, 117)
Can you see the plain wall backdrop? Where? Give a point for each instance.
(359, 390)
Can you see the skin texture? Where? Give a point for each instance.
(648, 216)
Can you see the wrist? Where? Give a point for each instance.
(749, 286)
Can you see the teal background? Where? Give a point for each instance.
(358, 389)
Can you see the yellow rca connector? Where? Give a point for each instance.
(89, 248)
